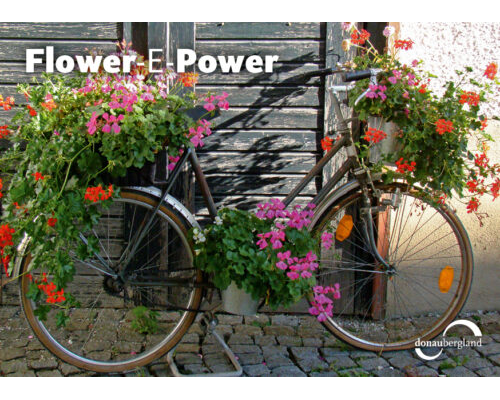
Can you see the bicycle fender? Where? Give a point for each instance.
(331, 198)
(168, 199)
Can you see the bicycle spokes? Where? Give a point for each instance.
(418, 284)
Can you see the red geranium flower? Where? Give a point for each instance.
(3, 131)
(403, 44)
(360, 38)
(38, 176)
(491, 70)
(374, 135)
(97, 193)
(326, 143)
(472, 185)
(188, 79)
(49, 102)
(469, 97)
(443, 126)
(473, 205)
(33, 112)
(495, 188)
(403, 166)
(7, 103)
(6, 236)
(481, 160)
(5, 262)
(52, 222)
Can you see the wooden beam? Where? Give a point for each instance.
(158, 39)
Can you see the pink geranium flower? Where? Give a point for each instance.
(92, 124)
(112, 123)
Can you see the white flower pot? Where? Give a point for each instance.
(387, 146)
(237, 301)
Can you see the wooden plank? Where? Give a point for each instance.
(283, 75)
(295, 51)
(261, 140)
(15, 72)
(267, 96)
(127, 31)
(258, 30)
(182, 35)
(109, 227)
(11, 90)
(6, 116)
(236, 184)
(244, 202)
(158, 39)
(57, 30)
(269, 118)
(236, 162)
(334, 54)
(15, 50)
(137, 34)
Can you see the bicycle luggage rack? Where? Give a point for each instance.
(211, 324)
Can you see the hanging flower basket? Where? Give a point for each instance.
(76, 141)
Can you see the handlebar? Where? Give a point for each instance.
(357, 75)
(320, 72)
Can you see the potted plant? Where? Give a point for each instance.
(268, 256)
(71, 141)
(438, 141)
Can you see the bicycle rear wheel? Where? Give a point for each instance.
(124, 322)
(431, 263)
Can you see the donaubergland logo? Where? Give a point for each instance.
(459, 344)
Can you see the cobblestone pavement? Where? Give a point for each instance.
(266, 345)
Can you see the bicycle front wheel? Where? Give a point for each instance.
(427, 284)
(130, 313)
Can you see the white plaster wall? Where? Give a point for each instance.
(445, 47)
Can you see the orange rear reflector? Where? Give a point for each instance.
(446, 279)
(344, 229)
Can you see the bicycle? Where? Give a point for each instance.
(140, 293)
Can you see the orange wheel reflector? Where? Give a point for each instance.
(344, 229)
(446, 279)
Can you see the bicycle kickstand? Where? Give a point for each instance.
(211, 324)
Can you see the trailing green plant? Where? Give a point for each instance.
(270, 255)
(437, 133)
(145, 320)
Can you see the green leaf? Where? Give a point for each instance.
(33, 292)
(41, 312)
(61, 319)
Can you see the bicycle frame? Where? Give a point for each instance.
(352, 163)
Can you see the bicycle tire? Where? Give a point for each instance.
(359, 322)
(129, 357)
